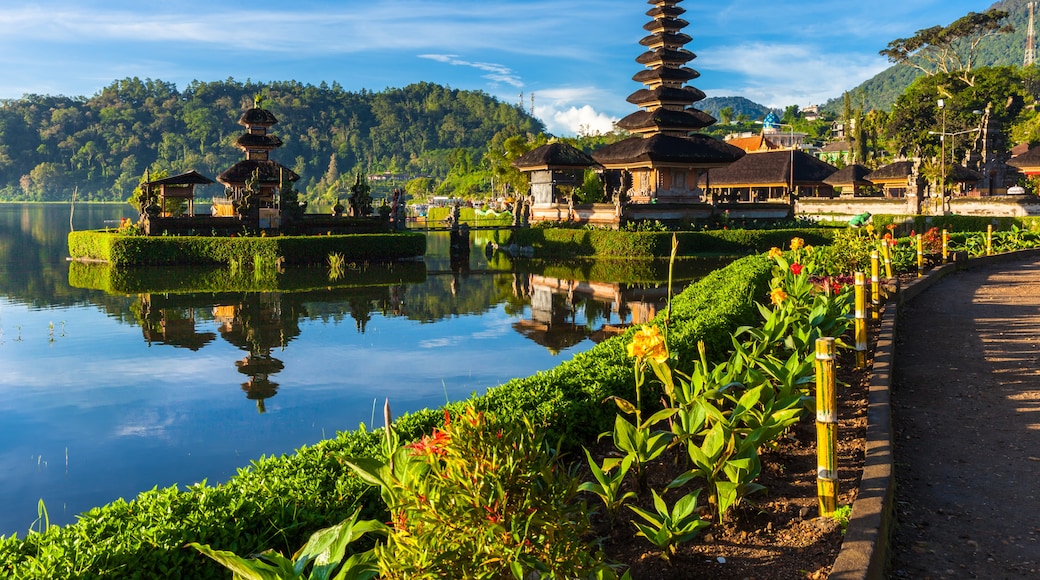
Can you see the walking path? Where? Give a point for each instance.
(966, 418)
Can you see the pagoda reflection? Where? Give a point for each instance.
(258, 324)
(607, 309)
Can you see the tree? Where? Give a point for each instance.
(952, 49)
(725, 115)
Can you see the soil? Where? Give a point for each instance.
(966, 416)
(772, 535)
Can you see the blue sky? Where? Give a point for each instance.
(576, 56)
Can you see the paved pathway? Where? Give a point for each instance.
(966, 414)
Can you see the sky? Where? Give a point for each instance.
(576, 57)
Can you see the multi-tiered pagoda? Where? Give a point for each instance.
(257, 177)
(666, 159)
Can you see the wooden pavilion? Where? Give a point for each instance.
(771, 176)
(552, 167)
(893, 179)
(177, 187)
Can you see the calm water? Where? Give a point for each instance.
(106, 394)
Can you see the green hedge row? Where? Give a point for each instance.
(279, 501)
(565, 242)
(123, 250)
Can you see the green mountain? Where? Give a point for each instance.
(101, 145)
(739, 106)
(882, 90)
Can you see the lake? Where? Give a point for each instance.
(104, 394)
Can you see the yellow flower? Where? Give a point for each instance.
(648, 343)
(870, 229)
(797, 244)
(775, 253)
(778, 295)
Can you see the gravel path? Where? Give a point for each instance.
(966, 414)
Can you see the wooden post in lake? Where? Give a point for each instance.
(826, 428)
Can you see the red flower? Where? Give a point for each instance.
(796, 269)
(435, 444)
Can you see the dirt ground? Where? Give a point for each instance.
(966, 414)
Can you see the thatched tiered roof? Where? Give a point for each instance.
(900, 170)
(258, 117)
(187, 178)
(270, 172)
(695, 150)
(1028, 162)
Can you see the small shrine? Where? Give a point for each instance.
(180, 187)
(251, 184)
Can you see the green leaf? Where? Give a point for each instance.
(251, 569)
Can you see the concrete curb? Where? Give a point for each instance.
(864, 552)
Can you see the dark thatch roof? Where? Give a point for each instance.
(666, 55)
(666, 11)
(890, 172)
(688, 95)
(251, 141)
(261, 117)
(187, 178)
(669, 38)
(270, 172)
(854, 174)
(666, 74)
(690, 119)
(668, 24)
(1030, 158)
(772, 167)
(962, 174)
(696, 150)
(554, 155)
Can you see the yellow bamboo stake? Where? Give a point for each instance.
(989, 240)
(920, 255)
(826, 428)
(861, 320)
(887, 251)
(946, 246)
(875, 285)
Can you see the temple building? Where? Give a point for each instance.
(656, 173)
(664, 161)
(257, 178)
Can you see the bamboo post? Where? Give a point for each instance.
(861, 320)
(826, 428)
(886, 249)
(920, 255)
(946, 247)
(989, 240)
(875, 285)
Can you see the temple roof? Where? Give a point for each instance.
(188, 178)
(1030, 159)
(666, 24)
(666, 55)
(259, 117)
(669, 39)
(251, 141)
(677, 75)
(753, 143)
(684, 95)
(554, 155)
(695, 150)
(270, 172)
(772, 167)
(891, 172)
(854, 174)
(667, 120)
(666, 11)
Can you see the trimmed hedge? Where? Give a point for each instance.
(279, 501)
(568, 242)
(124, 250)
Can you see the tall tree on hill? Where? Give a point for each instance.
(952, 49)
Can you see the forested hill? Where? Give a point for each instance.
(101, 145)
(882, 90)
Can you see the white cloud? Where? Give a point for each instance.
(778, 75)
(497, 73)
(569, 111)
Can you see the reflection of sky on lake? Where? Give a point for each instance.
(131, 416)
